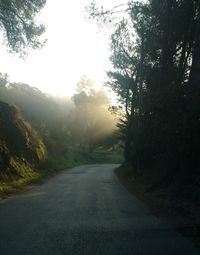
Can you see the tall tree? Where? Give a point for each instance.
(155, 56)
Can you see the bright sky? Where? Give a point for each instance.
(75, 47)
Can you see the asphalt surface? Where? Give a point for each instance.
(85, 210)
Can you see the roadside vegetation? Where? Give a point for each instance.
(155, 49)
(42, 134)
(156, 74)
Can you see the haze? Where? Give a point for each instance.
(74, 47)
(81, 173)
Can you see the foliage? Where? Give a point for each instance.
(18, 25)
(91, 120)
(68, 131)
(21, 148)
(156, 66)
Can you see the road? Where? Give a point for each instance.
(85, 210)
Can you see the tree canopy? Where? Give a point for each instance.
(91, 119)
(156, 66)
(17, 22)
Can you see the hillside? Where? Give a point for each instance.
(21, 148)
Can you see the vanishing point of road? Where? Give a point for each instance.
(85, 211)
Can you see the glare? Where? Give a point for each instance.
(75, 47)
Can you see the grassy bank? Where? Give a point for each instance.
(52, 166)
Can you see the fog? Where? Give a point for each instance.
(82, 121)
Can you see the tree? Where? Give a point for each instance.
(155, 57)
(18, 25)
(91, 120)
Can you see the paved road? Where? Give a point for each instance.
(84, 211)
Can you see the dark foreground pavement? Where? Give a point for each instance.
(84, 211)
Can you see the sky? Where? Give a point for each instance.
(75, 47)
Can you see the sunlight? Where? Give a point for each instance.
(75, 47)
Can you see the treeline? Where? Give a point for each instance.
(156, 73)
(47, 132)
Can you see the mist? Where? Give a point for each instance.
(82, 122)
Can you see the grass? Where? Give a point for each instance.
(101, 156)
(78, 157)
(74, 157)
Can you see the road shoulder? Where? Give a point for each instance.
(161, 207)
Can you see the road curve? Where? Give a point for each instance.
(85, 211)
